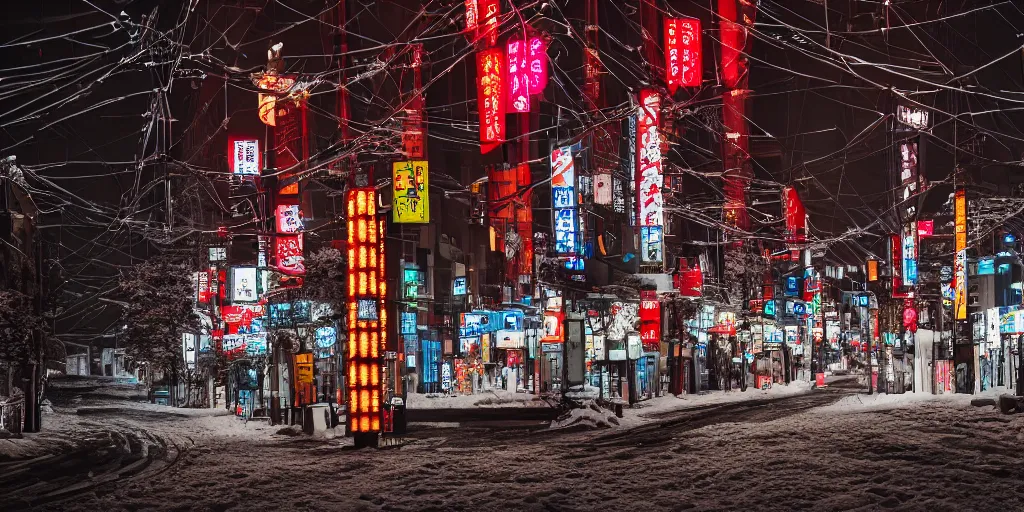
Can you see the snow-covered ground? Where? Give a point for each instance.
(783, 450)
(493, 398)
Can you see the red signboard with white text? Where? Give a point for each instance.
(683, 66)
(796, 216)
(518, 77)
(288, 252)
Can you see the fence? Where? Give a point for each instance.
(12, 415)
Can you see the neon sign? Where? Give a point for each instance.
(683, 66)
(490, 98)
(518, 77)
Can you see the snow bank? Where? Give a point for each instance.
(493, 398)
(880, 402)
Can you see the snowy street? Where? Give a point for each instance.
(832, 449)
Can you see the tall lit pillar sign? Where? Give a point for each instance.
(683, 66)
(960, 264)
(491, 97)
(245, 156)
(366, 314)
(649, 177)
(490, 14)
(518, 77)
(563, 198)
(411, 198)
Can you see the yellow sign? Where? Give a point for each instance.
(411, 199)
(960, 263)
(304, 368)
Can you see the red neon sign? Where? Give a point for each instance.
(650, 319)
(490, 10)
(288, 250)
(518, 77)
(648, 176)
(538, 65)
(796, 216)
(490, 98)
(683, 66)
(472, 15)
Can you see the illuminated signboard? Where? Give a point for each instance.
(912, 116)
(563, 197)
(651, 244)
(244, 284)
(960, 263)
(896, 264)
(986, 267)
(537, 65)
(603, 189)
(650, 319)
(796, 216)
(909, 176)
(411, 199)
(289, 218)
(491, 97)
(769, 307)
(565, 231)
(910, 254)
(288, 253)
(245, 156)
(683, 66)
(490, 12)
(872, 270)
(518, 77)
(459, 286)
(649, 175)
(203, 290)
(366, 313)
(472, 17)
(792, 286)
(649, 179)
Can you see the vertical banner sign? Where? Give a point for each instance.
(518, 77)
(472, 19)
(960, 265)
(288, 254)
(909, 177)
(412, 132)
(410, 188)
(649, 176)
(245, 156)
(289, 140)
(683, 66)
(603, 189)
(563, 196)
(796, 216)
(501, 189)
(524, 215)
(537, 63)
(490, 98)
(366, 313)
(910, 254)
(490, 12)
(896, 262)
(631, 132)
(650, 321)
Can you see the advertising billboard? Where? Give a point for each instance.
(410, 188)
